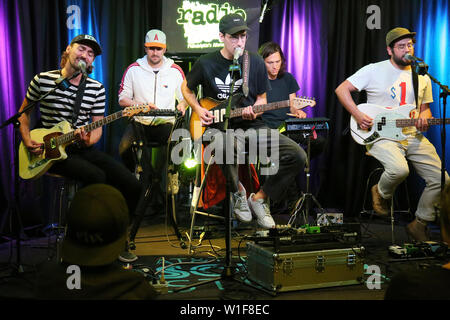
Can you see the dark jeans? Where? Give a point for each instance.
(289, 157)
(155, 135)
(91, 166)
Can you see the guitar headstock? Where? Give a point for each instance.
(302, 102)
(137, 109)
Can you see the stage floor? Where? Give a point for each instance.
(156, 239)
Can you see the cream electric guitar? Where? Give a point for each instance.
(388, 123)
(57, 138)
(218, 109)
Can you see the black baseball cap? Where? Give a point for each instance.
(232, 23)
(97, 223)
(89, 41)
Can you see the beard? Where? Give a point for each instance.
(155, 60)
(399, 61)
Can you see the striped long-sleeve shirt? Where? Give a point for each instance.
(59, 105)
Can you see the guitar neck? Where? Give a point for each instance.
(401, 123)
(70, 136)
(261, 108)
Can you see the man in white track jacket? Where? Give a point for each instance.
(153, 79)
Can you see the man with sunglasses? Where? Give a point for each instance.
(390, 83)
(212, 72)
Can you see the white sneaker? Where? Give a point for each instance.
(262, 212)
(241, 209)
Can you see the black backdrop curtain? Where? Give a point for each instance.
(39, 26)
(127, 23)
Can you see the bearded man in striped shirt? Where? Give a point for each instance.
(84, 163)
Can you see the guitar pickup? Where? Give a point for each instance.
(219, 115)
(37, 164)
(373, 137)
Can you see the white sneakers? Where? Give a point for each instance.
(261, 210)
(241, 209)
(244, 208)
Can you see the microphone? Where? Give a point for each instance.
(409, 57)
(82, 67)
(63, 83)
(420, 67)
(237, 54)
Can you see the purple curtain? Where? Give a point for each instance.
(12, 89)
(297, 26)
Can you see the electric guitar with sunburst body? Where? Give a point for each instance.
(218, 109)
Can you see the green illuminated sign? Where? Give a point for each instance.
(201, 22)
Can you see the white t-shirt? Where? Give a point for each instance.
(388, 86)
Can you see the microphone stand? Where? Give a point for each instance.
(61, 83)
(227, 273)
(13, 209)
(422, 69)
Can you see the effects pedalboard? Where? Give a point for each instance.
(285, 238)
(419, 250)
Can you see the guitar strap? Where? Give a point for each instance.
(78, 99)
(245, 74)
(415, 80)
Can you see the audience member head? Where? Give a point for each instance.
(445, 214)
(97, 224)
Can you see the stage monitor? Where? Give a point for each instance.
(193, 26)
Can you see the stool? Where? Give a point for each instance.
(227, 201)
(145, 172)
(392, 204)
(61, 203)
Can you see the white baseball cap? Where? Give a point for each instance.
(155, 38)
